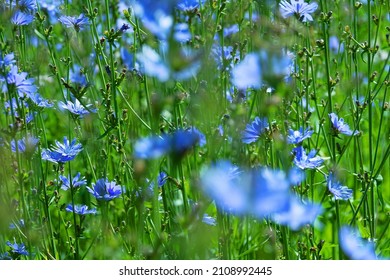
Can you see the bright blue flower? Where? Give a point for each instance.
(254, 130)
(224, 57)
(78, 23)
(153, 64)
(105, 190)
(80, 209)
(297, 136)
(76, 76)
(208, 220)
(296, 176)
(62, 152)
(156, 16)
(181, 32)
(221, 182)
(247, 73)
(262, 192)
(298, 214)
(271, 192)
(23, 86)
(8, 60)
(304, 161)
(354, 247)
(339, 126)
(162, 179)
(76, 108)
(189, 5)
(27, 6)
(18, 248)
(228, 31)
(338, 191)
(20, 18)
(76, 182)
(26, 145)
(176, 143)
(151, 147)
(39, 101)
(201, 138)
(299, 8)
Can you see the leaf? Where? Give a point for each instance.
(40, 35)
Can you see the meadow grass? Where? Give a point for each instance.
(194, 130)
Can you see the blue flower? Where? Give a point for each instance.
(26, 6)
(19, 249)
(247, 73)
(105, 190)
(153, 64)
(76, 181)
(298, 214)
(304, 161)
(76, 108)
(78, 23)
(254, 130)
(299, 8)
(62, 152)
(278, 65)
(156, 16)
(39, 101)
(23, 86)
(339, 126)
(338, 191)
(176, 143)
(354, 247)
(7, 60)
(20, 18)
(189, 5)
(221, 182)
(201, 138)
(5, 256)
(26, 145)
(208, 220)
(80, 209)
(297, 136)
(77, 76)
(151, 147)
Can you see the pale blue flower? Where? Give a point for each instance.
(18, 248)
(20, 18)
(298, 214)
(297, 136)
(76, 108)
(62, 152)
(338, 191)
(80, 209)
(339, 126)
(76, 181)
(247, 73)
(105, 190)
(306, 161)
(78, 23)
(27, 144)
(354, 247)
(254, 130)
(299, 8)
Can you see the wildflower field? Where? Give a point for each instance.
(194, 129)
